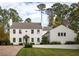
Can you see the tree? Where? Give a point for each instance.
(4, 37)
(41, 8)
(57, 22)
(73, 16)
(58, 9)
(13, 14)
(6, 15)
(28, 20)
(49, 12)
(74, 19)
(74, 5)
(64, 13)
(1, 32)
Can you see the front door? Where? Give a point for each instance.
(26, 40)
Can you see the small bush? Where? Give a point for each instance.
(45, 40)
(44, 43)
(55, 42)
(11, 43)
(5, 42)
(77, 39)
(28, 45)
(70, 42)
(20, 43)
(32, 43)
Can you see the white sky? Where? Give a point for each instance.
(26, 10)
(39, 0)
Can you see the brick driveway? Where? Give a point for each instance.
(9, 50)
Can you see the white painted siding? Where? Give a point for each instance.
(70, 35)
(35, 35)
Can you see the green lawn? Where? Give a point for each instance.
(47, 52)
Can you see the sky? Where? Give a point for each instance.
(29, 10)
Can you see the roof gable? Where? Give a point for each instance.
(62, 28)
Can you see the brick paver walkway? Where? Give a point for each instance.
(9, 50)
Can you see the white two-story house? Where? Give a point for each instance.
(19, 30)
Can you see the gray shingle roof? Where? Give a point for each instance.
(16, 25)
(47, 28)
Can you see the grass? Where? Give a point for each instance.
(47, 52)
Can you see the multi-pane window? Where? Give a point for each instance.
(32, 31)
(61, 34)
(32, 39)
(20, 32)
(14, 39)
(20, 39)
(58, 34)
(64, 34)
(26, 31)
(38, 31)
(14, 31)
(38, 39)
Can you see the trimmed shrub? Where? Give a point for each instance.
(20, 43)
(55, 42)
(70, 42)
(32, 43)
(5, 42)
(28, 45)
(77, 39)
(11, 43)
(44, 40)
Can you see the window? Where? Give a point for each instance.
(58, 34)
(8, 25)
(20, 40)
(61, 34)
(26, 31)
(14, 31)
(32, 31)
(14, 39)
(20, 32)
(38, 31)
(8, 30)
(32, 40)
(38, 39)
(64, 34)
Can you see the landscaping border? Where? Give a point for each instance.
(57, 46)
